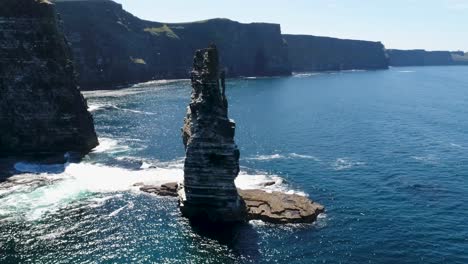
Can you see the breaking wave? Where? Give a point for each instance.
(110, 145)
(43, 189)
(93, 107)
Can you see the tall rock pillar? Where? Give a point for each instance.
(208, 193)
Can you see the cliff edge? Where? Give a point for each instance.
(41, 109)
(112, 47)
(312, 53)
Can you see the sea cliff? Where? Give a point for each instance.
(312, 53)
(426, 58)
(41, 109)
(112, 47)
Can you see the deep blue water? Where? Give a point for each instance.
(386, 152)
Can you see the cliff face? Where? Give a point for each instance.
(460, 58)
(41, 109)
(419, 57)
(112, 47)
(311, 53)
(212, 157)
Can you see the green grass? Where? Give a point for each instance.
(158, 31)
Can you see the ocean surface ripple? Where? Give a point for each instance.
(384, 151)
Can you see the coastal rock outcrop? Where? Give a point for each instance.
(112, 47)
(41, 109)
(211, 164)
(280, 208)
(312, 53)
(270, 207)
(168, 189)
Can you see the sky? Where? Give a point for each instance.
(399, 24)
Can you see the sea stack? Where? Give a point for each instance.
(41, 109)
(208, 193)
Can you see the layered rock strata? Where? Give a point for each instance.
(212, 157)
(312, 53)
(41, 109)
(112, 47)
(280, 208)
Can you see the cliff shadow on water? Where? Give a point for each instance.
(241, 238)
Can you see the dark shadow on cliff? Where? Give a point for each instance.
(241, 238)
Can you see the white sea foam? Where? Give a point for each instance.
(305, 75)
(406, 71)
(31, 196)
(93, 107)
(354, 70)
(51, 192)
(429, 159)
(456, 145)
(97, 106)
(346, 163)
(110, 145)
(266, 157)
(300, 156)
(157, 83)
(134, 111)
(282, 156)
(112, 93)
(129, 205)
(322, 220)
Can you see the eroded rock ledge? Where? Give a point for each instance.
(274, 207)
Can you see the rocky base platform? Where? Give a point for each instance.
(274, 207)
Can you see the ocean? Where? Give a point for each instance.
(386, 152)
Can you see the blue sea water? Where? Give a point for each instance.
(386, 152)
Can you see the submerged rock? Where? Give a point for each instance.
(41, 109)
(212, 158)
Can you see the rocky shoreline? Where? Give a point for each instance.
(270, 207)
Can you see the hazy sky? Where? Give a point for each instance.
(405, 24)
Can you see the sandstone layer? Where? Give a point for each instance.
(212, 157)
(41, 109)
